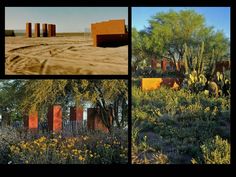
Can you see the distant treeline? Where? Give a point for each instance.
(14, 32)
(68, 34)
(62, 34)
(9, 33)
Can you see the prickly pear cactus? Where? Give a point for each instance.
(223, 83)
(194, 82)
(213, 88)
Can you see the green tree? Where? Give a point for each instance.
(139, 50)
(104, 94)
(10, 98)
(168, 33)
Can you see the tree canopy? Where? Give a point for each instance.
(167, 34)
(24, 96)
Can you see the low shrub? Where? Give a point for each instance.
(9, 33)
(183, 120)
(89, 147)
(215, 151)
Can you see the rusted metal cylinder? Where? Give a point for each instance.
(54, 31)
(154, 63)
(163, 65)
(31, 122)
(28, 32)
(94, 120)
(45, 30)
(50, 30)
(37, 30)
(54, 116)
(76, 114)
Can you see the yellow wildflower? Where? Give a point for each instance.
(81, 158)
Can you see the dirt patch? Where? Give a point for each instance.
(63, 55)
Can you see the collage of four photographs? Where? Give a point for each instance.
(132, 85)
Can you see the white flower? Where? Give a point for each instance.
(10, 162)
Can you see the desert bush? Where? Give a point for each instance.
(182, 103)
(215, 151)
(143, 153)
(152, 73)
(88, 147)
(224, 83)
(84, 149)
(9, 33)
(183, 119)
(8, 137)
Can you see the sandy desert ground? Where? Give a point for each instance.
(63, 55)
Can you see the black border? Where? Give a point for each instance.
(129, 87)
(2, 48)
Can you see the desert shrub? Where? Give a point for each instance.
(88, 147)
(8, 137)
(215, 151)
(152, 73)
(9, 33)
(183, 119)
(143, 153)
(176, 103)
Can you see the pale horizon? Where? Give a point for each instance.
(67, 19)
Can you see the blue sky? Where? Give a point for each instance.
(219, 17)
(67, 19)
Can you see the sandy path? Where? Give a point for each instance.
(62, 55)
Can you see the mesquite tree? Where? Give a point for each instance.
(168, 32)
(31, 95)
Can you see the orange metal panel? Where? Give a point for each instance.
(151, 83)
(45, 30)
(50, 30)
(55, 118)
(94, 121)
(111, 40)
(111, 27)
(36, 30)
(163, 65)
(31, 121)
(154, 63)
(155, 83)
(28, 32)
(76, 114)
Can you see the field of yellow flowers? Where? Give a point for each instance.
(87, 148)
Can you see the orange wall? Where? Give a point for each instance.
(109, 27)
(76, 114)
(94, 120)
(28, 32)
(149, 84)
(55, 118)
(31, 121)
(112, 27)
(112, 40)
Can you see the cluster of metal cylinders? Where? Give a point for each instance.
(55, 123)
(49, 30)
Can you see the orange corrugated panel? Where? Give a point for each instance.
(151, 83)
